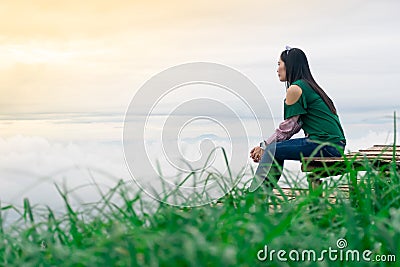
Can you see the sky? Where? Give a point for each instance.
(70, 69)
(92, 56)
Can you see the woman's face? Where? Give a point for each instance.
(281, 71)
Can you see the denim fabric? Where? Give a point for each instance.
(271, 164)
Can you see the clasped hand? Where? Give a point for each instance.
(256, 153)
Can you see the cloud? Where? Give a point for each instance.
(371, 138)
(30, 165)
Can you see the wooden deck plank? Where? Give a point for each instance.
(378, 155)
(293, 193)
(358, 159)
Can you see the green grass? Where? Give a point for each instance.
(120, 231)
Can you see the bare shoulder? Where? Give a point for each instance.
(293, 94)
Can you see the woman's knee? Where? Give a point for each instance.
(269, 153)
(271, 147)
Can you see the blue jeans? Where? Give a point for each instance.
(271, 164)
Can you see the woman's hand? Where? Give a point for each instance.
(256, 153)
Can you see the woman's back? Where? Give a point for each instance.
(319, 123)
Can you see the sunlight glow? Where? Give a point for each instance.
(30, 55)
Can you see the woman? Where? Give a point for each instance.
(306, 107)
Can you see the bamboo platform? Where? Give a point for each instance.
(377, 156)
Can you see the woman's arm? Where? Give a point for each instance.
(291, 125)
(285, 131)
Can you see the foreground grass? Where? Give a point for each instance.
(230, 233)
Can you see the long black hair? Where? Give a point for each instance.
(297, 68)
